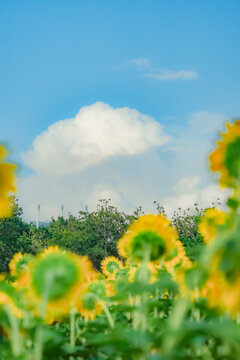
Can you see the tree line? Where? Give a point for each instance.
(93, 233)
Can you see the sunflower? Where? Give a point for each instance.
(222, 294)
(91, 299)
(55, 279)
(54, 275)
(226, 158)
(110, 265)
(52, 249)
(221, 266)
(13, 263)
(6, 184)
(210, 221)
(152, 237)
(19, 263)
(180, 260)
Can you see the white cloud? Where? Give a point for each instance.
(189, 191)
(114, 153)
(139, 63)
(170, 75)
(158, 74)
(98, 132)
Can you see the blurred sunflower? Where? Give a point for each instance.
(91, 299)
(210, 221)
(6, 183)
(152, 237)
(221, 261)
(180, 260)
(222, 294)
(52, 249)
(110, 265)
(57, 279)
(226, 158)
(19, 263)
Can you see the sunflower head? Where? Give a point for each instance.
(150, 236)
(89, 301)
(178, 259)
(210, 221)
(19, 263)
(51, 250)
(226, 158)
(110, 265)
(54, 275)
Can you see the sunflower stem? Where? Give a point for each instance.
(72, 327)
(14, 333)
(157, 298)
(38, 343)
(107, 313)
(140, 314)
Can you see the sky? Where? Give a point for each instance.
(116, 99)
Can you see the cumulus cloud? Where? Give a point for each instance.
(98, 132)
(170, 75)
(189, 190)
(116, 153)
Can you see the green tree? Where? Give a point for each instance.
(11, 241)
(91, 233)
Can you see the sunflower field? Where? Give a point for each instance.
(151, 302)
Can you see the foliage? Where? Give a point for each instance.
(186, 223)
(91, 233)
(94, 233)
(11, 231)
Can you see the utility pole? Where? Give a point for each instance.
(62, 210)
(38, 215)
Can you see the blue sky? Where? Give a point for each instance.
(59, 56)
